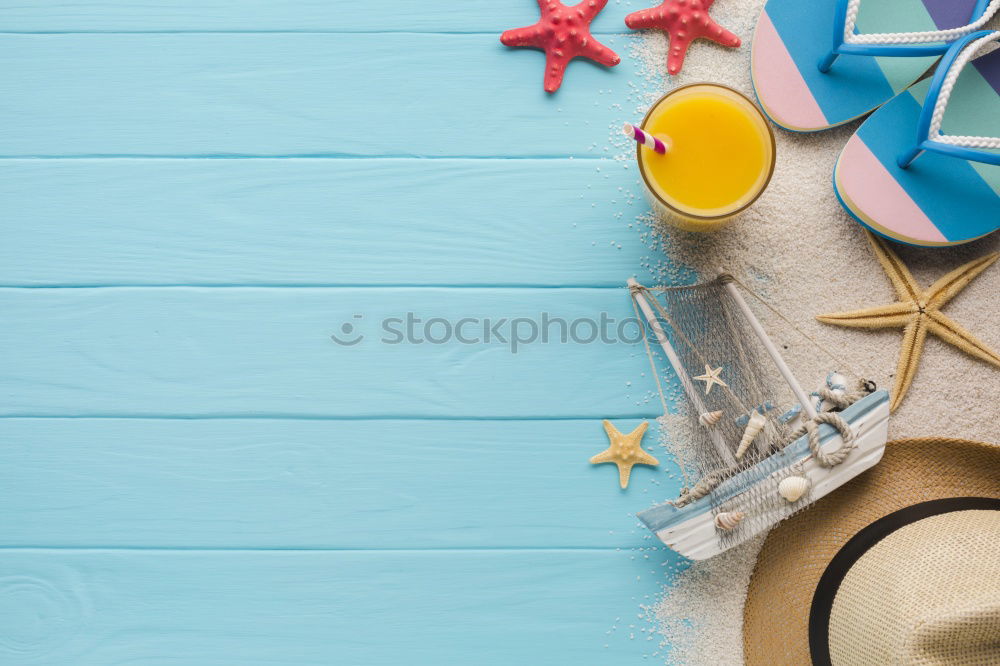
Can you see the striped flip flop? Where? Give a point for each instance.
(925, 168)
(817, 64)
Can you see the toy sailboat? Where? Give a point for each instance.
(760, 447)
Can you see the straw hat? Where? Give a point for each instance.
(899, 566)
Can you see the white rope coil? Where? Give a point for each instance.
(987, 42)
(928, 36)
(811, 428)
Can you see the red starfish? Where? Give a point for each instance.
(684, 21)
(563, 33)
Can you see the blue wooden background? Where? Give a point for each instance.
(194, 195)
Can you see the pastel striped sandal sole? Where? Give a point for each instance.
(792, 37)
(939, 199)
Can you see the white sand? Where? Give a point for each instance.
(804, 253)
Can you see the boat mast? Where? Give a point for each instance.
(770, 347)
(675, 363)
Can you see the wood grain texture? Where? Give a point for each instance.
(291, 15)
(229, 607)
(262, 494)
(231, 94)
(298, 484)
(269, 352)
(317, 222)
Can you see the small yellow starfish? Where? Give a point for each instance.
(625, 451)
(918, 313)
(711, 378)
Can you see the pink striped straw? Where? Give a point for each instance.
(645, 139)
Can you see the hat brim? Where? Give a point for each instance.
(797, 552)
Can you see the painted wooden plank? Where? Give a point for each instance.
(317, 222)
(306, 15)
(227, 352)
(320, 484)
(373, 608)
(225, 94)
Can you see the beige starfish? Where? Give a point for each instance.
(711, 378)
(918, 313)
(625, 451)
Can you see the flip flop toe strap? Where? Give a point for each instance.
(929, 135)
(889, 38)
(925, 43)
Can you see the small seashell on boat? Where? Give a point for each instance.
(754, 426)
(793, 487)
(710, 418)
(837, 384)
(763, 409)
(728, 520)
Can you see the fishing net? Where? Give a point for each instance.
(727, 407)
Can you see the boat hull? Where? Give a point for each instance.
(691, 530)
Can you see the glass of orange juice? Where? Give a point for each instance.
(720, 155)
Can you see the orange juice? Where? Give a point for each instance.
(719, 160)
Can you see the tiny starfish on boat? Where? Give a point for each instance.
(711, 378)
(625, 451)
(684, 21)
(563, 33)
(918, 312)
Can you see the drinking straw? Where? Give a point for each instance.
(648, 140)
